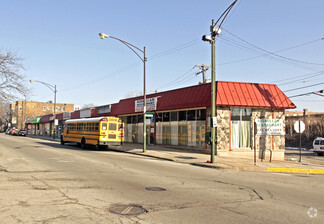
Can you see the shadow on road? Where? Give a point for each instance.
(72, 146)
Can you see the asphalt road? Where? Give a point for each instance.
(44, 182)
(307, 157)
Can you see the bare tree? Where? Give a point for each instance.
(4, 113)
(12, 82)
(131, 94)
(87, 106)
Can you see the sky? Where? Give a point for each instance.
(278, 42)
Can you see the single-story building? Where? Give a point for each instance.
(250, 116)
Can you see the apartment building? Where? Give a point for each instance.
(21, 111)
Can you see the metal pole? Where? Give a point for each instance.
(299, 142)
(54, 112)
(144, 106)
(212, 156)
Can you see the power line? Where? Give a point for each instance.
(245, 45)
(177, 80)
(304, 77)
(303, 87)
(305, 94)
(261, 54)
(131, 66)
(271, 53)
(175, 49)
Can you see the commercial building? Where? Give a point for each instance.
(250, 118)
(22, 111)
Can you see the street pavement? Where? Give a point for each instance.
(189, 156)
(45, 182)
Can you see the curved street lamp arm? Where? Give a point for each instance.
(131, 46)
(51, 87)
(225, 13)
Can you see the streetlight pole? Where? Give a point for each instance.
(143, 59)
(214, 32)
(53, 88)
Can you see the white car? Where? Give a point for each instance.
(318, 145)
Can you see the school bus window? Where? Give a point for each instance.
(97, 126)
(104, 126)
(120, 128)
(112, 127)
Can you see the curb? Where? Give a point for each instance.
(294, 170)
(214, 166)
(147, 155)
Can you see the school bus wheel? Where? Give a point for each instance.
(62, 141)
(83, 143)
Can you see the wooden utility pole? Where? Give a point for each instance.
(203, 69)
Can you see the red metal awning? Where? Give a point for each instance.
(229, 94)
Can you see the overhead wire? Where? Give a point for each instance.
(304, 77)
(303, 87)
(305, 94)
(131, 66)
(177, 80)
(274, 54)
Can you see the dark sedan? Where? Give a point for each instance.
(22, 132)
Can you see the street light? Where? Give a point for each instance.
(53, 88)
(143, 59)
(214, 32)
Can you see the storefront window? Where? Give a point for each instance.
(185, 128)
(166, 116)
(174, 116)
(241, 128)
(191, 115)
(182, 115)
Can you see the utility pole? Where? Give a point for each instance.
(203, 69)
(214, 32)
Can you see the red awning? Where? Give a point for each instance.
(229, 94)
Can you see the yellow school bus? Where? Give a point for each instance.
(99, 131)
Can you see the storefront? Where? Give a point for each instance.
(250, 118)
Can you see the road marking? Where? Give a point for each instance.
(12, 159)
(294, 170)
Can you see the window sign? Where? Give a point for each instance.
(151, 104)
(66, 115)
(269, 126)
(104, 109)
(85, 113)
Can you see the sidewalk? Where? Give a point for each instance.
(200, 159)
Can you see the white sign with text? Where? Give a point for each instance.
(151, 104)
(269, 126)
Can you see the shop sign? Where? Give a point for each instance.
(35, 120)
(269, 126)
(66, 116)
(151, 104)
(85, 113)
(104, 109)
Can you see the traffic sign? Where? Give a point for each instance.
(299, 126)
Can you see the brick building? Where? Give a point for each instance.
(21, 111)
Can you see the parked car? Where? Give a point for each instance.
(22, 132)
(318, 146)
(14, 132)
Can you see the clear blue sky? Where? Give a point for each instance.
(60, 44)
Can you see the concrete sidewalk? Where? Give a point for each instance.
(188, 156)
